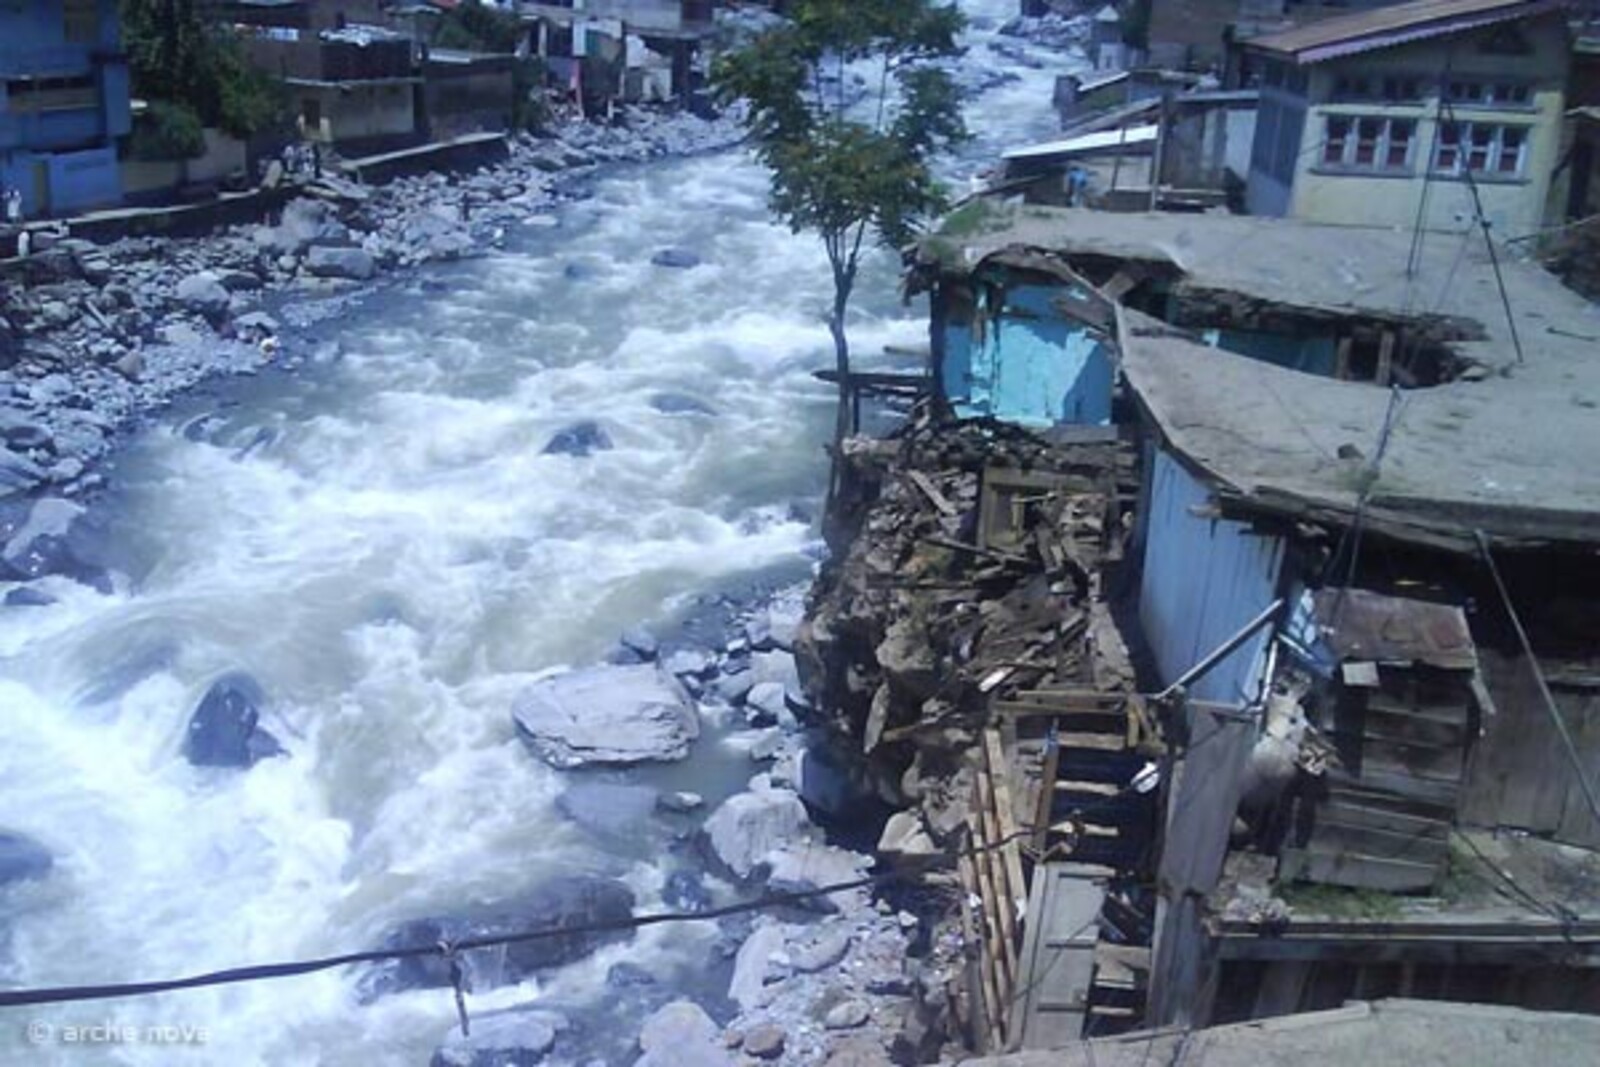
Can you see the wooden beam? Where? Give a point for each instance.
(1005, 808)
(988, 988)
(1385, 359)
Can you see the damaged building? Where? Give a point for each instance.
(1229, 610)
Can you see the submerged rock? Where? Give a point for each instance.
(605, 808)
(516, 1038)
(25, 596)
(607, 715)
(22, 858)
(681, 1035)
(684, 891)
(679, 258)
(680, 404)
(567, 903)
(579, 439)
(225, 730)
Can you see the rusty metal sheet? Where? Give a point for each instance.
(1358, 624)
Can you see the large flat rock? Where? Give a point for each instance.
(607, 715)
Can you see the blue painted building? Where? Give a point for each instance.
(1205, 578)
(1027, 341)
(63, 103)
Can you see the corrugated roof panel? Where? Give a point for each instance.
(1388, 26)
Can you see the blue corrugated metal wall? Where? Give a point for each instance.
(1203, 579)
(1035, 367)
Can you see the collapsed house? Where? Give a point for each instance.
(1232, 616)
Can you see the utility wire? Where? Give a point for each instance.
(1483, 222)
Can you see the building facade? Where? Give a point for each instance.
(1412, 115)
(63, 103)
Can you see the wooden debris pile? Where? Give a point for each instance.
(969, 562)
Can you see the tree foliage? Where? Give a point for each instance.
(848, 163)
(178, 57)
(476, 27)
(169, 131)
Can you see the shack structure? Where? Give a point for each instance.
(1364, 565)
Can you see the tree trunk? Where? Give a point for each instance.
(844, 423)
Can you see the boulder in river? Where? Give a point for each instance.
(326, 261)
(225, 729)
(203, 293)
(22, 433)
(749, 826)
(681, 404)
(25, 596)
(579, 439)
(564, 903)
(22, 858)
(681, 1035)
(18, 473)
(679, 258)
(684, 891)
(520, 1037)
(607, 715)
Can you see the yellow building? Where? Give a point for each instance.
(1417, 113)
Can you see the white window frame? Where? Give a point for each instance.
(1496, 146)
(1347, 164)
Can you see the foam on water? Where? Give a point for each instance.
(393, 559)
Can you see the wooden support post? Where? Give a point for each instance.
(989, 982)
(1341, 361)
(1385, 359)
(1005, 808)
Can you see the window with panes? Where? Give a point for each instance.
(1368, 143)
(1486, 148)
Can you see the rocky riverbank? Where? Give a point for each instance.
(850, 977)
(94, 336)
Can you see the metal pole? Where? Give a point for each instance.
(1223, 650)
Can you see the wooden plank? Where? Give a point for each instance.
(1355, 871)
(988, 987)
(1098, 742)
(1385, 372)
(1423, 762)
(1005, 808)
(1368, 841)
(1444, 714)
(1099, 789)
(1058, 956)
(1407, 786)
(929, 490)
(991, 938)
(1348, 813)
(1341, 359)
(1121, 966)
(994, 872)
(1041, 815)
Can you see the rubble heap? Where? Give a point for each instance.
(969, 561)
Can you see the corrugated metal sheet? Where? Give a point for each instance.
(1358, 624)
(1031, 364)
(1388, 26)
(1204, 579)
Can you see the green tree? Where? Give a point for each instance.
(177, 56)
(848, 165)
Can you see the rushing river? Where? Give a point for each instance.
(379, 541)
